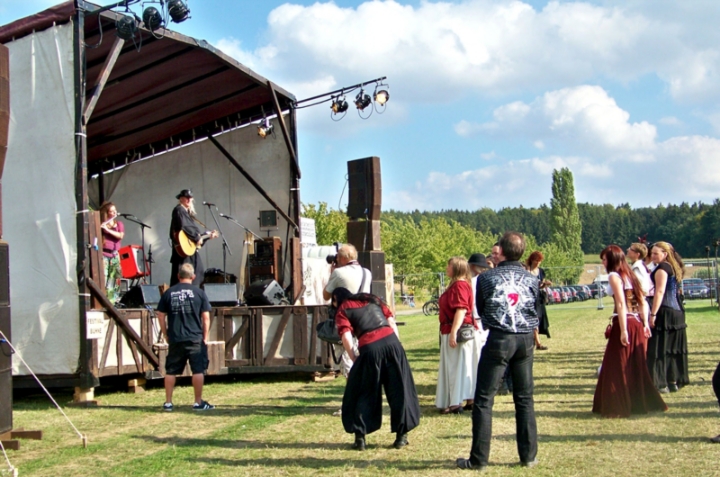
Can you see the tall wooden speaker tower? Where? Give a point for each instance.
(5, 354)
(363, 228)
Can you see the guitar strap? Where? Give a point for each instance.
(196, 220)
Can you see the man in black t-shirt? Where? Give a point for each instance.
(187, 310)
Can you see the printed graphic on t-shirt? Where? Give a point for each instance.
(181, 301)
(512, 295)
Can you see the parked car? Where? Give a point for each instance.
(695, 288)
(710, 283)
(582, 295)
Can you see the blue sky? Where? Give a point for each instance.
(487, 97)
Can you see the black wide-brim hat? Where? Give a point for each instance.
(479, 260)
(185, 193)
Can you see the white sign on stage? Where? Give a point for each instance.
(307, 232)
(95, 322)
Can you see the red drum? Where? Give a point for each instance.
(131, 262)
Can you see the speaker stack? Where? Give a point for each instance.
(5, 354)
(141, 295)
(363, 228)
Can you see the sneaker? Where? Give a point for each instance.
(664, 390)
(715, 440)
(532, 463)
(338, 412)
(168, 407)
(401, 441)
(203, 406)
(673, 388)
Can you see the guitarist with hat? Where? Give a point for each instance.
(186, 238)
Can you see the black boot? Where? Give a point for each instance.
(359, 442)
(400, 441)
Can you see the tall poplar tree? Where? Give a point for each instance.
(565, 218)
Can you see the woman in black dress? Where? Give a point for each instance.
(533, 266)
(667, 348)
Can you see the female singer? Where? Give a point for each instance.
(112, 234)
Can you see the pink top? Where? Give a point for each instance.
(111, 245)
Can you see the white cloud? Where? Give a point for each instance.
(584, 118)
(681, 169)
(492, 46)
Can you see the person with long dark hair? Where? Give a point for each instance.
(667, 349)
(533, 266)
(380, 364)
(624, 385)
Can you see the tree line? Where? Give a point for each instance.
(419, 244)
(689, 227)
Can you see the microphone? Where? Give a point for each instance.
(126, 215)
(226, 216)
(207, 203)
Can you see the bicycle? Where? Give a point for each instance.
(431, 307)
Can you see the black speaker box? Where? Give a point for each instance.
(364, 234)
(265, 293)
(377, 288)
(6, 387)
(375, 262)
(364, 189)
(141, 295)
(221, 294)
(4, 274)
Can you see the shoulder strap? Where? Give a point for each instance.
(362, 282)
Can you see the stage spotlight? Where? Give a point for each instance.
(126, 27)
(339, 105)
(152, 18)
(382, 97)
(362, 100)
(178, 11)
(265, 128)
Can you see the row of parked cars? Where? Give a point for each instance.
(692, 288)
(570, 293)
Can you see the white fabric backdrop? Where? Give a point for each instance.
(147, 189)
(39, 203)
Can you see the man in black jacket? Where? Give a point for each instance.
(505, 300)
(182, 221)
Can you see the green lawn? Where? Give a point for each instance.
(283, 425)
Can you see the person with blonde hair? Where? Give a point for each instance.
(457, 372)
(113, 232)
(667, 348)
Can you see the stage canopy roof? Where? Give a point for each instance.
(174, 90)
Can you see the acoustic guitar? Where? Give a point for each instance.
(186, 247)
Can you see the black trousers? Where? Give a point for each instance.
(381, 365)
(194, 260)
(501, 351)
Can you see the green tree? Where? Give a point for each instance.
(330, 225)
(565, 219)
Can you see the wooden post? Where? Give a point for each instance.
(87, 363)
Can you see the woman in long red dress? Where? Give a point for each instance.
(624, 386)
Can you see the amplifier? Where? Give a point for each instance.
(221, 294)
(266, 262)
(131, 262)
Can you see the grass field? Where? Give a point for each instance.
(283, 425)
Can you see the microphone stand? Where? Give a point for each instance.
(226, 247)
(143, 226)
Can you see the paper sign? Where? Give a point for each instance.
(95, 322)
